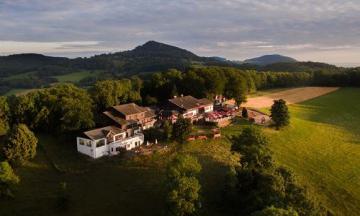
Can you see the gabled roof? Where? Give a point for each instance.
(185, 102)
(115, 118)
(101, 133)
(189, 102)
(129, 109)
(205, 101)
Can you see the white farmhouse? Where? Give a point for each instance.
(108, 140)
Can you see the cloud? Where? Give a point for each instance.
(235, 29)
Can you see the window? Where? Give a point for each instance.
(81, 142)
(88, 143)
(100, 143)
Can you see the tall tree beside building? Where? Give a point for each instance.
(181, 129)
(167, 130)
(236, 87)
(20, 145)
(8, 179)
(183, 187)
(280, 113)
(244, 113)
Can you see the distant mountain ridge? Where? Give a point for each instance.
(152, 56)
(270, 59)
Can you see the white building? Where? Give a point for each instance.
(108, 140)
(191, 107)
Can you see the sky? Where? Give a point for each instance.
(316, 30)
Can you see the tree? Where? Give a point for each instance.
(252, 146)
(7, 179)
(4, 115)
(181, 129)
(260, 183)
(244, 112)
(183, 165)
(109, 93)
(280, 113)
(272, 211)
(182, 186)
(20, 145)
(183, 199)
(65, 107)
(236, 87)
(167, 130)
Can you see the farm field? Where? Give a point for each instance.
(322, 147)
(294, 95)
(76, 77)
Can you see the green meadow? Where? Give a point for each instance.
(77, 76)
(321, 146)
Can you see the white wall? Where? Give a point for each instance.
(127, 143)
(190, 113)
(84, 149)
(209, 108)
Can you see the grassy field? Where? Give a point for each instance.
(110, 186)
(20, 76)
(322, 146)
(76, 77)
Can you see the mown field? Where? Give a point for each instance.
(321, 146)
(77, 76)
(110, 186)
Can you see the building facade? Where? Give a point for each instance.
(190, 107)
(110, 140)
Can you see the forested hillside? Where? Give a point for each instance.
(34, 71)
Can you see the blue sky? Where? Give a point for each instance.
(318, 30)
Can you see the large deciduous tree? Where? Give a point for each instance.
(280, 113)
(8, 179)
(20, 145)
(259, 183)
(183, 188)
(181, 129)
(108, 93)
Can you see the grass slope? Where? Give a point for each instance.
(76, 77)
(110, 186)
(322, 146)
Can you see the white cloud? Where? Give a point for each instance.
(232, 28)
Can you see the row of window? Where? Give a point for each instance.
(85, 142)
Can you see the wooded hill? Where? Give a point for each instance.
(29, 71)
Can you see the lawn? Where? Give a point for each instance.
(76, 77)
(322, 147)
(111, 186)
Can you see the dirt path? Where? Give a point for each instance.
(291, 96)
